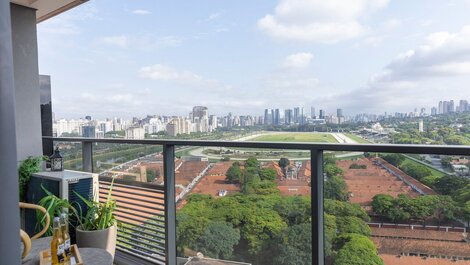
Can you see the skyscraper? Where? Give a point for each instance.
(288, 116)
(463, 105)
(296, 115)
(312, 113)
(277, 117)
(433, 111)
(199, 112)
(88, 131)
(321, 114)
(266, 116)
(441, 107)
(339, 113)
(445, 107)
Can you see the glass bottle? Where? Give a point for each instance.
(64, 229)
(57, 244)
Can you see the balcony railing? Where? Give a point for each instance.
(149, 231)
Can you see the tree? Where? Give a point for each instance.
(189, 229)
(416, 171)
(252, 162)
(260, 226)
(330, 232)
(284, 162)
(352, 224)
(218, 240)
(394, 159)
(151, 175)
(400, 212)
(421, 208)
(294, 209)
(430, 181)
(356, 250)
(250, 175)
(233, 173)
(448, 184)
(267, 174)
(444, 207)
(294, 245)
(465, 213)
(332, 170)
(382, 203)
(264, 187)
(335, 188)
(339, 208)
(329, 159)
(463, 195)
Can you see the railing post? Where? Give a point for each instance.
(87, 156)
(170, 204)
(316, 183)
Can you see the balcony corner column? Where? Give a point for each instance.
(170, 203)
(87, 156)
(10, 220)
(316, 183)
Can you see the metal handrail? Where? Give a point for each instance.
(385, 148)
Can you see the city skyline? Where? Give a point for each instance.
(134, 58)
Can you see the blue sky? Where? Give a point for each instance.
(132, 58)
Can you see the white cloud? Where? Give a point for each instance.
(419, 77)
(213, 16)
(120, 41)
(298, 60)
(392, 23)
(162, 72)
(146, 42)
(141, 12)
(318, 20)
(443, 54)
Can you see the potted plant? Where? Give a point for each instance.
(27, 168)
(54, 206)
(98, 226)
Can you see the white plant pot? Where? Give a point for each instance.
(104, 239)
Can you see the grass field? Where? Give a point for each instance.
(357, 138)
(296, 137)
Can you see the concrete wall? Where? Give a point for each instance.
(26, 72)
(10, 216)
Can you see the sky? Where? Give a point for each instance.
(127, 58)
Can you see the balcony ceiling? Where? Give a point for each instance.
(48, 8)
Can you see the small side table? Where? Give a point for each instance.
(96, 256)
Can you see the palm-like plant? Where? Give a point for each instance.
(54, 206)
(100, 215)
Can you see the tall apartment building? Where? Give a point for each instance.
(277, 117)
(463, 106)
(288, 117)
(136, 133)
(312, 113)
(88, 131)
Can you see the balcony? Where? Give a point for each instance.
(148, 210)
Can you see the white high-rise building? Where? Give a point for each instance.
(135, 133)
